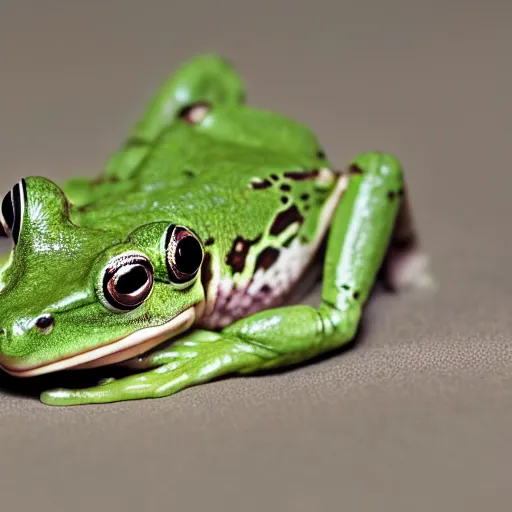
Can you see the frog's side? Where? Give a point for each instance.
(207, 217)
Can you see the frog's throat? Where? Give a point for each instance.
(120, 350)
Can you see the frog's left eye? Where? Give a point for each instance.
(127, 281)
(184, 255)
(12, 211)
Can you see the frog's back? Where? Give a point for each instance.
(260, 200)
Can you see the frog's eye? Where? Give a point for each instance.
(184, 255)
(195, 113)
(12, 211)
(127, 281)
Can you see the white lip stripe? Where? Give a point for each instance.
(120, 350)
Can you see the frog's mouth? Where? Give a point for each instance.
(133, 345)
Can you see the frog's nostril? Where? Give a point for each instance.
(45, 323)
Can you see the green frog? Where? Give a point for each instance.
(183, 259)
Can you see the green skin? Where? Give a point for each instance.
(241, 181)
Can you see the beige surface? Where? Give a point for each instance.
(419, 415)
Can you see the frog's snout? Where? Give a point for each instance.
(42, 324)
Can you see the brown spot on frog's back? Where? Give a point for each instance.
(285, 219)
(355, 169)
(267, 258)
(301, 175)
(261, 184)
(238, 253)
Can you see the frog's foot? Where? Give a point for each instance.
(195, 359)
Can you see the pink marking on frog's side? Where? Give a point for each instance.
(267, 288)
(275, 277)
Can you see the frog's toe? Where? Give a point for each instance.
(60, 397)
(106, 391)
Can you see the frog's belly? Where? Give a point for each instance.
(267, 288)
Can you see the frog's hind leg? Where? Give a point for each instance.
(406, 265)
(203, 79)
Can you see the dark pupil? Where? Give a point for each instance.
(131, 281)
(7, 211)
(188, 255)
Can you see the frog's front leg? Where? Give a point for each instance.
(360, 234)
(192, 360)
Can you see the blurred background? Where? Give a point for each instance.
(418, 416)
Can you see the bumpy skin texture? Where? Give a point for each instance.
(257, 192)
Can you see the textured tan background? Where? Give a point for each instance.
(418, 416)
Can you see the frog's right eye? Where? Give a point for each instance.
(184, 255)
(12, 211)
(195, 113)
(127, 281)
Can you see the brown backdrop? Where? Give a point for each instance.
(418, 416)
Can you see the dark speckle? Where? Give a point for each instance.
(284, 199)
(401, 192)
(188, 173)
(304, 197)
(265, 289)
(210, 241)
(356, 295)
(391, 195)
(285, 188)
(321, 154)
(275, 177)
(345, 286)
(301, 175)
(238, 254)
(267, 258)
(355, 169)
(257, 185)
(285, 219)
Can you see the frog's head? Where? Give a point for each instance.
(75, 297)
